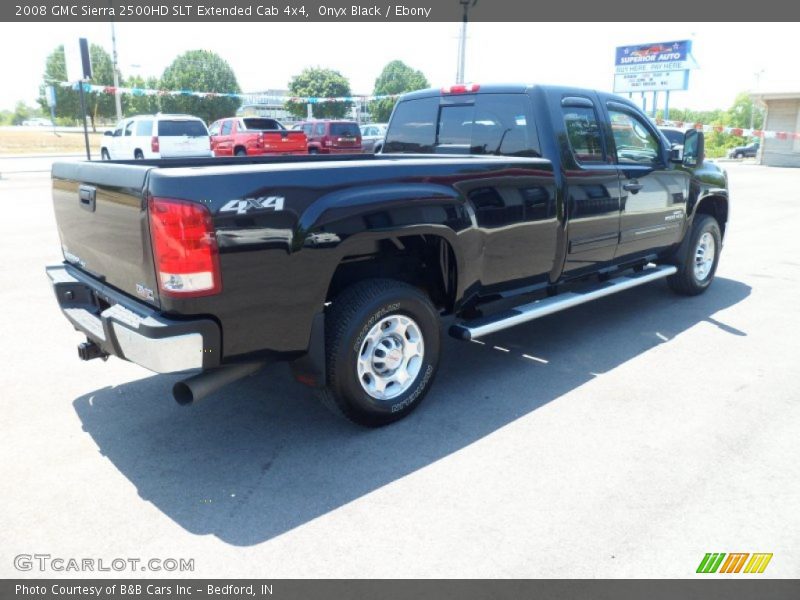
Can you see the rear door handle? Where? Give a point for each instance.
(87, 196)
(632, 187)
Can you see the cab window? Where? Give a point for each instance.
(129, 128)
(226, 128)
(635, 143)
(583, 133)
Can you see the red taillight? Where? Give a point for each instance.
(184, 248)
(154, 143)
(461, 88)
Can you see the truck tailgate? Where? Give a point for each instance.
(101, 214)
(284, 141)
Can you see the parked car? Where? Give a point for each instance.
(748, 151)
(345, 265)
(156, 136)
(372, 136)
(255, 136)
(37, 122)
(331, 136)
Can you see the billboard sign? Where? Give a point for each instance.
(659, 56)
(652, 81)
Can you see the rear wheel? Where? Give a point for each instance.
(138, 155)
(739, 155)
(382, 344)
(104, 155)
(241, 152)
(313, 151)
(697, 268)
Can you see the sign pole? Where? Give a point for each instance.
(83, 116)
(666, 107)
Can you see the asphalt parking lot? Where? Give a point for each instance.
(639, 433)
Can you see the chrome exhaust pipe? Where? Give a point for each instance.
(201, 385)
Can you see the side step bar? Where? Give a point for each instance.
(470, 330)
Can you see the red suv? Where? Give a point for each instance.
(331, 137)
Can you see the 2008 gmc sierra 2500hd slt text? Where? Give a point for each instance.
(344, 265)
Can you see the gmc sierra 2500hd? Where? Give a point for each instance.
(344, 265)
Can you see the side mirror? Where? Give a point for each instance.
(676, 153)
(693, 148)
(109, 133)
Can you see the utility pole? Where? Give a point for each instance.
(758, 75)
(462, 42)
(117, 95)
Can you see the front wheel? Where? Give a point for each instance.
(697, 268)
(382, 340)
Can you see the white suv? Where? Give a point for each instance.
(157, 136)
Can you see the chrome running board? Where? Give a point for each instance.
(470, 330)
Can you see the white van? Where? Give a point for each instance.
(157, 136)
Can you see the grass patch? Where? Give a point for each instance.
(46, 142)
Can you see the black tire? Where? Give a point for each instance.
(104, 155)
(313, 151)
(138, 155)
(352, 315)
(686, 281)
(240, 152)
(739, 155)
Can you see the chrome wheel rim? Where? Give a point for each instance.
(390, 357)
(704, 256)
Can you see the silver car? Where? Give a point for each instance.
(372, 135)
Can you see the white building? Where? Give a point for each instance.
(782, 114)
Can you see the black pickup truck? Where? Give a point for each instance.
(344, 265)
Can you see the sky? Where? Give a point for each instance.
(265, 55)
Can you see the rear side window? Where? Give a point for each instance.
(345, 130)
(259, 124)
(319, 129)
(226, 128)
(584, 134)
(485, 124)
(180, 128)
(413, 127)
(144, 128)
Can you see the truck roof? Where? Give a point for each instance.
(503, 88)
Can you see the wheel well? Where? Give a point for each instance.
(425, 261)
(717, 207)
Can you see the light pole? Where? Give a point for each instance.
(757, 75)
(462, 42)
(117, 96)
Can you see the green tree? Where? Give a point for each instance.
(742, 111)
(98, 104)
(200, 71)
(396, 78)
(55, 72)
(317, 82)
(21, 113)
(133, 104)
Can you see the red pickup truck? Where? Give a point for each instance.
(255, 136)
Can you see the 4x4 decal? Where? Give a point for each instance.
(241, 206)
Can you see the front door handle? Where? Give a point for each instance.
(633, 187)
